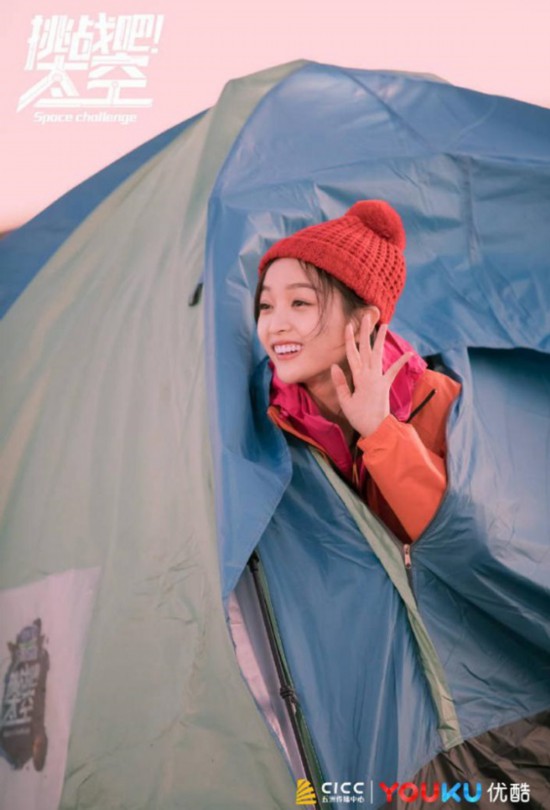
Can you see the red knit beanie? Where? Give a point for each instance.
(363, 249)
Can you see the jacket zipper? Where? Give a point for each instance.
(354, 473)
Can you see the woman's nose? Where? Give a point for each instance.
(279, 321)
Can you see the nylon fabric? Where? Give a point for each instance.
(361, 687)
(490, 754)
(25, 251)
(106, 462)
(469, 174)
(390, 555)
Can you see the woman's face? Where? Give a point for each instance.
(289, 327)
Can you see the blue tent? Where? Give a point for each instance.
(444, 682)
(468, 651)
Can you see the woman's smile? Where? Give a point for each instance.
(286, 351)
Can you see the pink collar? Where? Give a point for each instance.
(294, 402)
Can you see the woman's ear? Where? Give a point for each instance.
(372, 314)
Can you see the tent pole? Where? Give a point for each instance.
(287, 692)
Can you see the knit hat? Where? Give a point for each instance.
(363, 249)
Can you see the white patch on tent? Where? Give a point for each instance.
(55, 613)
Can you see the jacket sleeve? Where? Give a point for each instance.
(411, 477)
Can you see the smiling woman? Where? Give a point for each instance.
(301, 346)
(341, 381)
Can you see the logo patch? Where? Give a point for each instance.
(305, 794)
(22, 731)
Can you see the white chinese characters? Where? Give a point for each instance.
(91, 62)
(515, 793)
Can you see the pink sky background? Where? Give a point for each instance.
(499, 47)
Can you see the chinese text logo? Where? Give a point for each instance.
(92, 62)
(22, 730)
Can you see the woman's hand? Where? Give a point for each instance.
(369, 404)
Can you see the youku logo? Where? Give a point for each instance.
(363, 793)
(22, 731)
(408, 792)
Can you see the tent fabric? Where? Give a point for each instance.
(25, 251)
(134, 439)
(528, 739)
(106, 463)
(466, 215)
(469, 174)
(496, 664)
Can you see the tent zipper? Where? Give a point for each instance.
(407, 559)
(398, 565)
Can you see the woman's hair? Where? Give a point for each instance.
(325, 286)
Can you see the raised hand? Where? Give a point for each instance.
(369, 403)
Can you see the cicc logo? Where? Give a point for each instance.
(305, 794)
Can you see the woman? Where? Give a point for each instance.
(341, 380)
(343, 383)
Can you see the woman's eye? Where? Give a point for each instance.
(264, 306)
(299, 303)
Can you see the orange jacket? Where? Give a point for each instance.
(405, 460)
